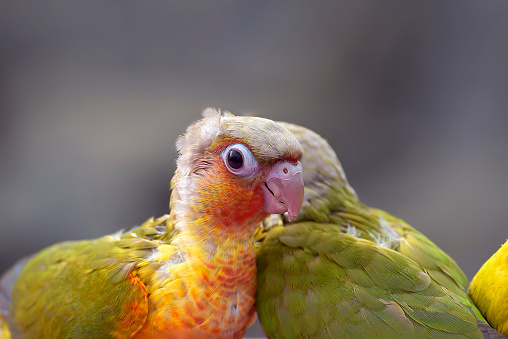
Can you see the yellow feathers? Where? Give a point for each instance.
(4, 328)
(489, 290)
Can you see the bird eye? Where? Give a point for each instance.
(239, 160)
(235, 159)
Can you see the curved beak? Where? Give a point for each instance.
(283, 189)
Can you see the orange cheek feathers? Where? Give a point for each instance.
(230, 200)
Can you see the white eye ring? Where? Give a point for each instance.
(239, 160)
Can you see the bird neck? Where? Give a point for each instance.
(221, 274)
(214, 223)
(218, 236)
(215, 243)
(323, 198)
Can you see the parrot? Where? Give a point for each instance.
(187, 274)
(342, 269)
(489, 290)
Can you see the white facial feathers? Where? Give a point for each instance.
(197, 138)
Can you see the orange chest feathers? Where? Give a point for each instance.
(203, 297)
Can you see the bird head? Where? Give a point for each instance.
(236, 170)
(326, 185)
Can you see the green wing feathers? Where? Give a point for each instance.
(78, 283)
(331, 284)
(418, 247)
(343, 269)
(85, 289)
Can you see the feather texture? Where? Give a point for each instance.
(345, 270)
(489, 289)
(188, 274)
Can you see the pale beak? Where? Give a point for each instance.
(283, 189)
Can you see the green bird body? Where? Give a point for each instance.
(345, 270)
(79, 289)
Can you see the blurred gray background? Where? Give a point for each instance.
(412, 96)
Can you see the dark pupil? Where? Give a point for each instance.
(235, 159)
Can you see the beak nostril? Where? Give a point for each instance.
(285, 170)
